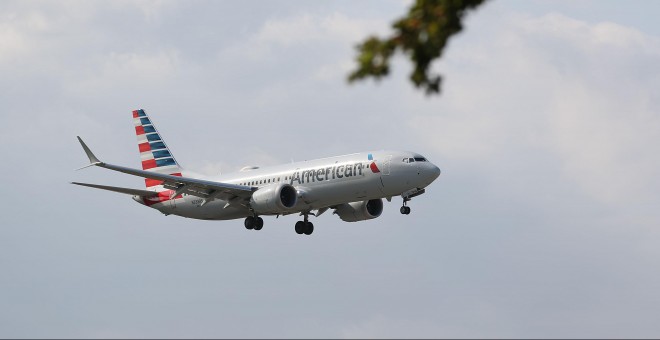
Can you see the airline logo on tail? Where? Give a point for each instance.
(153, 151)
(155, 156)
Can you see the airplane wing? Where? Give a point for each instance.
(128, 191)
(208, 190)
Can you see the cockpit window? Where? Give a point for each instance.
(415, 159)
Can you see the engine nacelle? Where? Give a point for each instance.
(360, 211)
(273, 199)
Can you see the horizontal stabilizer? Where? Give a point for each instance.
(127, 191)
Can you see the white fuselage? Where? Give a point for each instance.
(320, 183)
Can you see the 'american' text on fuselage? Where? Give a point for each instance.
(328, 173)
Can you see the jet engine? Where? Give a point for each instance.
(273, 199)
(360, 211)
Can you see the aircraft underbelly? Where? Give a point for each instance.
(191, 207)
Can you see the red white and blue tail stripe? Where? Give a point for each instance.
(154, 153)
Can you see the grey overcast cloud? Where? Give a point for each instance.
(544, 223)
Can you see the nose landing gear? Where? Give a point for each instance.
(405, 209)
(407, 196)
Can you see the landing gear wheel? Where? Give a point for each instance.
(309, 228)
(405, 210)
(300, 227)
(258, 223)
(249, 222)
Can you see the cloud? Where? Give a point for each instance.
(136, 70)
(16, 32)
(333, 34)
(563, 88)
(305, 27)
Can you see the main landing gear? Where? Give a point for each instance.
(304, 227)
(254, 223)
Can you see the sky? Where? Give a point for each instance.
(543, 224)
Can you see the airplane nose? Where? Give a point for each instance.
(435, 171)
(431, 174)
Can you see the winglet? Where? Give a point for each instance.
(90, 155)
(92, 159)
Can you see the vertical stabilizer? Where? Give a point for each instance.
(154, 153)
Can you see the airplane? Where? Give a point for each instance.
(353, 185)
